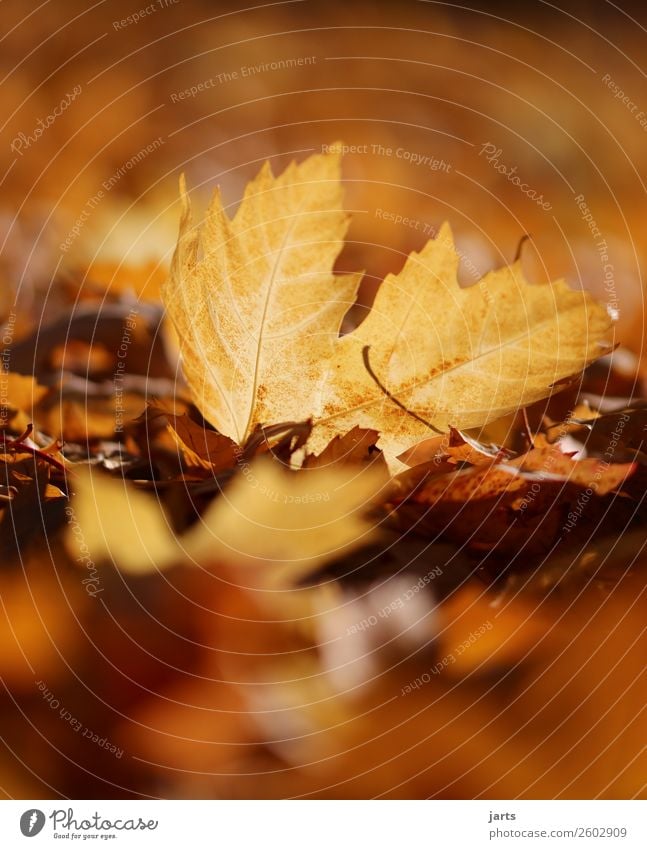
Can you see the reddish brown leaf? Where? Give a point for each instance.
(524, 504)
(355, 447)
(200, 446)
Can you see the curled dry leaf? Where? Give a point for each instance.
(551, 463)
(520, 505)
(356, 447)
(258, 311)
(201, 446)
(197, 446)
(451, 449)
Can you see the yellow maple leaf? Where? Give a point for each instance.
(259, 315)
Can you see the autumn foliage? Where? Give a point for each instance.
(273, 555)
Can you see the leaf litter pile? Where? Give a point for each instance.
(254, 548)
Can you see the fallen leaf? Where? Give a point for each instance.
(556, 430)
(521, 505)
(355, 447)
(451, 449)
(457, 357)
(266, 515)
(259, 314)
(200, 446)
(30, 511)
(552, 463)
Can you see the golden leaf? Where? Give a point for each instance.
(258, 315)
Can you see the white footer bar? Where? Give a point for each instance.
(324, 824)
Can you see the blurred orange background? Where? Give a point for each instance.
(418, 88)
(505, 119)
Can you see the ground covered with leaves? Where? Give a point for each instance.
(252, 547)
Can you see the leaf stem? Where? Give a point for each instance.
(390, 396)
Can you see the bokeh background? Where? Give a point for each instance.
(423, 93)
(558, 91)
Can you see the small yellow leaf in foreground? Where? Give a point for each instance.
(266, 515)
